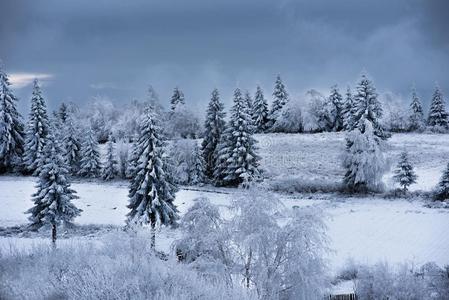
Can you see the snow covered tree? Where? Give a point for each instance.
(404, 173)
(37, 131)
(237, 162)
(318, 111)
(368, 107)
(90, 157)
(152, 191)
(11, 128)
(364, 159)
(213, 129)
(53, 198)
(260, 111)
(249, 105)
(280, 96)
(197, 167)
(336, 110)
(416, 118)
(110, 164)
(72, 145)
(348, 110)
(63, 113)
(438, 117)
(177, 98)
(290, 119)
(442, 190)
(123, 158)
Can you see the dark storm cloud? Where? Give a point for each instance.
(117, 48)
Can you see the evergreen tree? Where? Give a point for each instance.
(11, 128)
(442, 190)
(53, 199)
(364, 160)
(260, 111)
(72, 145)
(177, 98)
(36, 132)
(368, 107)
(63, 113)
(280, 99)
(90, 157)
(152, 191)
(404, 173)
(416, 118)
(348, 110)
(214, 127)
(110, 165)
(249, 106)
(336, 110)
(197, 167)
(238, 162)
(438, 117)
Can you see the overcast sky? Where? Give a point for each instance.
(117, 48)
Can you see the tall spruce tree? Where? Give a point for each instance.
(11, 128)
(404, 173)
(110, 165)
(260, 111)
(438, 117)
(152, 191)
(133, 159)
(238, 162)
(213, 129)
(416, 118)
(196, 175)
(90, 157)
(368, 107)
(280, 96)
(53, 198)
(37, 131)
(442, 190)
(249, 106)
(72, 145)
(364, 160)
(177, 98)
(336, 110)
(348, 110)
(63, 113)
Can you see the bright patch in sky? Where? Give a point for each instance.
(20, 80)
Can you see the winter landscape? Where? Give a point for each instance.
(236, 188)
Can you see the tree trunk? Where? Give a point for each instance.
(53, 234)
(247, 267)
(153, 233)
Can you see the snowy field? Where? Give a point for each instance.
(367, 230)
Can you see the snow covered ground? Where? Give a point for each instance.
(367, 230)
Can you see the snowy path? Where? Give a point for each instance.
(367, 230)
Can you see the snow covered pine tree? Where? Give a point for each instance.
(11, 128)
(404, 173)
(110, 166)
(416, 119)
(260, 111)
(438, 117)
(72, 145)
(237, 162)
(348, 111)
(364, 160)
(53, 199)
(280, 99)
(213, 129)
(36, 132)
(197, 167)
(368, 107)
(336, 110)
(90, 157)
(152, 191)
(177, 98)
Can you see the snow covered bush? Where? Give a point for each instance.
(205, 243)
(304, 185)
(187, 162)
(120, 266)
(383, 281)
(290, 118)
